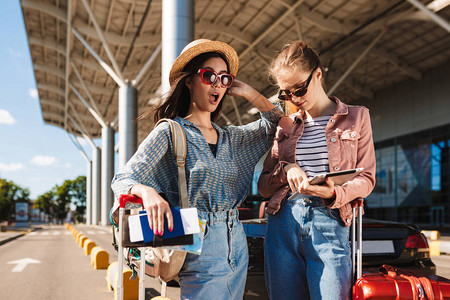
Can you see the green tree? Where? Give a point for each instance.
(78, 192)
(57, 202)
(70, 192)
(62, 200)
(45, 202)
(10, 193)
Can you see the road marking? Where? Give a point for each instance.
(22, 263)
(56, 233)
(90, 232)
(33, 233)
(45, 233)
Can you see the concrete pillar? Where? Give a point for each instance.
(177, 31)
(107, 173)
(96, 185)
(127, 122)
(89, 193)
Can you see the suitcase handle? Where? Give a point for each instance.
(357, 207)
(357, 203)
(124, 198)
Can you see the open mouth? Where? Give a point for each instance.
(214, 97)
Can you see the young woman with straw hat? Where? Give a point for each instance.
(219, 165)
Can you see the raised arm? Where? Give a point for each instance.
(241, 89)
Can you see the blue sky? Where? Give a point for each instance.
(32, 154)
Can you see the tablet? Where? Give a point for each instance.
(339, 177)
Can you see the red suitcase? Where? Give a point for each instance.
(391, 283)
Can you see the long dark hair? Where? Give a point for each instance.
(178, 99)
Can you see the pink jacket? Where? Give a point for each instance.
(350, 145)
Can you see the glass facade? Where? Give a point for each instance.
(412, 178)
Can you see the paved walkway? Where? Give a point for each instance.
(14, 232)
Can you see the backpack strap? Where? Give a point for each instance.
(179, 150)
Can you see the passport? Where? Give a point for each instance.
(185, 221)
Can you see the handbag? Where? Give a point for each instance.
(159, 262)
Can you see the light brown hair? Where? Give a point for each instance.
(295, 56)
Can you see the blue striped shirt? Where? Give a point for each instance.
(311, 153)
(215, 183)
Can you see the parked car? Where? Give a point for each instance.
(397, 244)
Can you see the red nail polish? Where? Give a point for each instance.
(170, 229)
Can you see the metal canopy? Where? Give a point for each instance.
(383, 41)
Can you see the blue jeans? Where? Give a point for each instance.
(307, 250)
(220, 271)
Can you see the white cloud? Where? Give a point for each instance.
(67, 165)
(11, 167)
(33, 93)
(6, 118)
(42, 160)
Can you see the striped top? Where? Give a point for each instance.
(215, 182)
(311, 153)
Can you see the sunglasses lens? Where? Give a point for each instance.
(209, 77)
(283, 95)
(226, 80)
(300, 92)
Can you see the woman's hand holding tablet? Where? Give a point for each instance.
(339, 177)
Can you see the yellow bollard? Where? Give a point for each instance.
(130, 287)
(110, 273)
(81, 241)
(99, 258)
(77, 237)
(88, 246)
(432, 235)
(435, 235)
(435, 248)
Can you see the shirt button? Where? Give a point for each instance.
(336, 168)
(333, 140)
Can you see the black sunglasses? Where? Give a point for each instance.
(299, 92)
(210, 77)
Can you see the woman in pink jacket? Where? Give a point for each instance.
(307, 247)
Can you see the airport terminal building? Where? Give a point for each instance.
(99, 64)
(411, 127)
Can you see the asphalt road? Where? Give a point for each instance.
(48, 264)
(442, 265)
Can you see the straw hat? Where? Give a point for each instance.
(201, 46)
